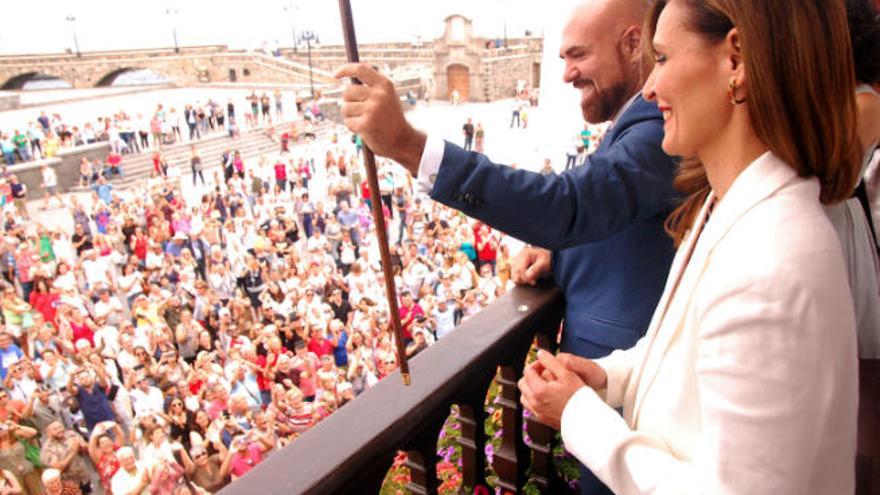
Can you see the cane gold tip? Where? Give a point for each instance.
(406, 380)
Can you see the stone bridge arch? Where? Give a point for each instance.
(19, 81)
(109, 78)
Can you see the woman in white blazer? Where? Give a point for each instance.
(746, 381)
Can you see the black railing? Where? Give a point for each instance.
(353, 449)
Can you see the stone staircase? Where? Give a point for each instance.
(251, 144)
(298, 71)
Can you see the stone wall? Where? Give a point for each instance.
(493, 70)
(9, 101)
(68, 170)
(183, 69)
(66, 165)
(29, 174)
(501, 74)
(331, 104)
(331, 58)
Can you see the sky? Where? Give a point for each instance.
(42, 26)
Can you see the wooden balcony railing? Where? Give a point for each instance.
(353, 449)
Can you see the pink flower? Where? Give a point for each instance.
(400, 458)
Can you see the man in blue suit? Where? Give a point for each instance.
(603, 221)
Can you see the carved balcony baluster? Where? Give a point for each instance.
(473, 443)
(422, 463)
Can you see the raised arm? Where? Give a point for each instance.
(14, 487)
(629, 181)
(101, 376)
(94, 452)
(22, 431)
(226, 466)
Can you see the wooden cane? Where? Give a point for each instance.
(351, 51)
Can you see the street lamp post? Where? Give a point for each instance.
(72, 20)
(309, 36)
(172, 12)
(293, 9)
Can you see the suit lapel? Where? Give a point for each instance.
(638, 111)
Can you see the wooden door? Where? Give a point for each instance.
(458, 78)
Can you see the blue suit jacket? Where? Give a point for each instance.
(603, 220)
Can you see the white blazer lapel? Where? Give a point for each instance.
(659, 332)
(761, 179)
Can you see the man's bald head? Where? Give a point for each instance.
(602, 14)
(601, 46)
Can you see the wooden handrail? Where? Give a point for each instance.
(352, 450)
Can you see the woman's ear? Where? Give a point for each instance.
(734, 55)
(733, 68)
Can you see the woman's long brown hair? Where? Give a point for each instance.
(800, 89)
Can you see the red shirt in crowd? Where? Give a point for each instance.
(45, 304)
(84, 332)
(140, 247)
(416, 311)
(263, 382)
(487, 251)
(365, 190)
(280, 171)
(320, 346)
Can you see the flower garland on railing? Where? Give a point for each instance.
(449, 464)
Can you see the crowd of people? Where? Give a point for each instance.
(139, 132)
(170, 345)
(719, 271)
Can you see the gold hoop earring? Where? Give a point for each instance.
(731, 94)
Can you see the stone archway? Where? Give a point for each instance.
(458, 78)
(18, 82)
(110, 78)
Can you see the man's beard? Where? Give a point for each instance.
(609, 101)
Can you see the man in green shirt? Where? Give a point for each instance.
(47, 253)
(22, 145)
